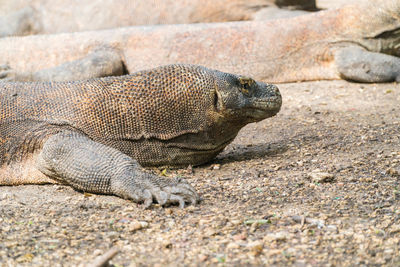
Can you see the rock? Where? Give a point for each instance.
(331, 228)
(137, 225)
(236, 222)
(278, 236)
(216, 166)
(168, 211)
(253, 227)
(321, 177)
(394, 229)
(25, 258)
(209, 231)
(394, 172)
(166, 244)
(388, 254)
(240, 237)
(202, 257)
(233, 245)
(255, 247)
(359, 238)
(300, 219)
(203, 222)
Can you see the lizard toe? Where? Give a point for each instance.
(4, 67)
(181, 187)
(6, 73)
(147, 199)
(174, 193)
(185, 191)
(174, 199)
(155, 189)
(162, 197)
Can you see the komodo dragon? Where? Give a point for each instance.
(360, 43)
(93, 134)
(21, 17)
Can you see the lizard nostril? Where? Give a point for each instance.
(273, 89)
(276, 90)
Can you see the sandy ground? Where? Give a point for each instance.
(317, 185)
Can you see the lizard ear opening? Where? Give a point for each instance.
(217, 101)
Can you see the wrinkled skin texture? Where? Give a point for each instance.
(93, 134)
(21, 17)
(100, 63)
(311, 47)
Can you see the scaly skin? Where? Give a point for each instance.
(21, 17)
(359, 43)
(93, 134)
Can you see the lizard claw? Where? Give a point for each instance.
(164, 191)
(177, 191)
(6, 73)
(184, 190)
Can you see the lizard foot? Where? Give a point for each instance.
(6, 73)
(357, 64)
(177, 191)
(163, 190)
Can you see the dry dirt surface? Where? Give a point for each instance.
(317, 185)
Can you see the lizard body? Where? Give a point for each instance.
(21, 17)
(93, 134)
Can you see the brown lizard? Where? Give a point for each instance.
(93, 134)
(19, 17)
(360, 43)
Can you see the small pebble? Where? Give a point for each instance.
(240, 237)
(255, 247)
(137, 225)
(321, 177)
(278, 236)
(331, 228)
(394, 172)
(233, 245)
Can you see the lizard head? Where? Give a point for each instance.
(186, 114)
(241, 98)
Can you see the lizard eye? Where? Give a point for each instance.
(245, 84)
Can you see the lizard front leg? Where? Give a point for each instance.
(89, 166)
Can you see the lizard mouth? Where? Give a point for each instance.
(268, 103)
(262, 109)
(257, 109)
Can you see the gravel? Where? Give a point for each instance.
(260, 205)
